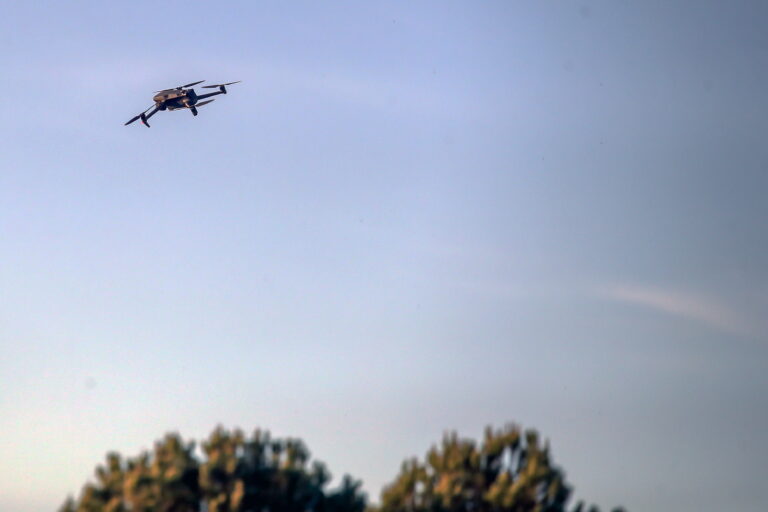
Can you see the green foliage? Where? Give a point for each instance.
(68, 505)
(259, 473)
(237, 474)
(511, 471)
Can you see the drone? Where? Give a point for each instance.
(178, 98)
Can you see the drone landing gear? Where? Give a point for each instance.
(193, 108)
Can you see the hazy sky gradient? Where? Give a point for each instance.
(409, 217)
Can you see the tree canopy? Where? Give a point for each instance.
(238, 473)
(510, 471)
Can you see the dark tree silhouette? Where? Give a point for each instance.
(237, 474)
(509, 472)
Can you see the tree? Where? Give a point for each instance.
(237, 474)
(259, 473)
(510, 472)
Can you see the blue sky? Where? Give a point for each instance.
(407, 218)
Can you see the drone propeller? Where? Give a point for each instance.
(182, 86)
(219, 85)
(190, 85)
(138, 116)
(203, 103)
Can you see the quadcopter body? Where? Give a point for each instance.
(178, 98)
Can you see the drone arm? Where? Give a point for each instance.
(201, 96)
(144, 116)
(134, 119)
(222, 89)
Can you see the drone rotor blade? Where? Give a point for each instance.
(219, 85)
(181, 86)
(138, 116)
(203, 103)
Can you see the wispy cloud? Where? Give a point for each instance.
(693, 306)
